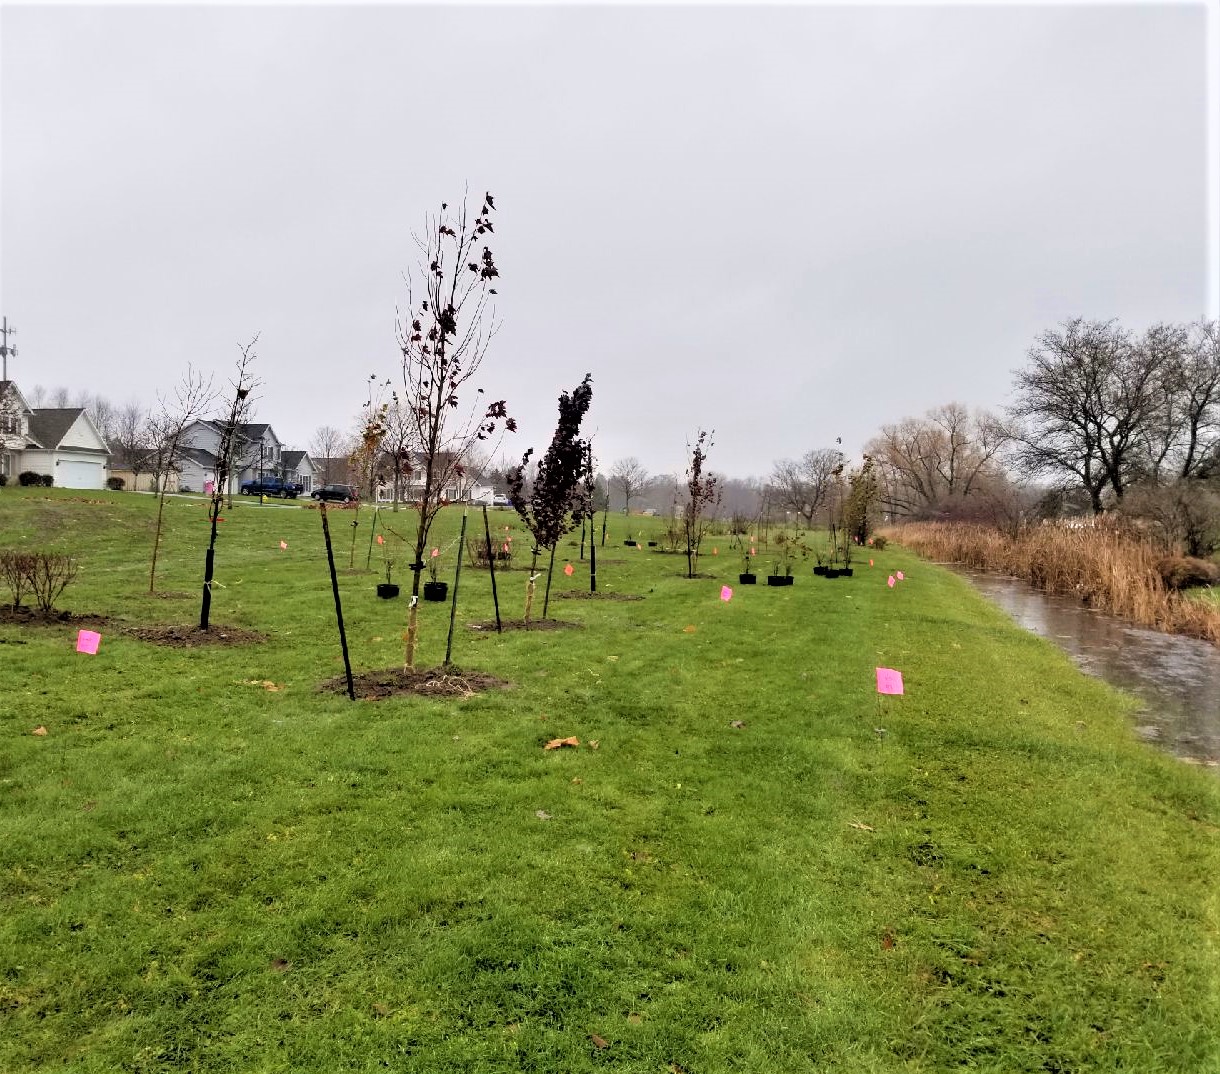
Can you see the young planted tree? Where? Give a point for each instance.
(556, 502)
(702, 495)
(444, 338)
(165, 428)
(239, 410)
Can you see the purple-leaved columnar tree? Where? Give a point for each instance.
(702, 494)
(556, 502)
(443, 338)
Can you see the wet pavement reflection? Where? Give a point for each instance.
(1177, 678)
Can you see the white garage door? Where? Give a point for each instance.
(79, 475)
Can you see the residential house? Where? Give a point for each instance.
(298, 466)
(60, 441)
(256, 451)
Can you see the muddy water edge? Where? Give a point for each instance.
(1177, 679)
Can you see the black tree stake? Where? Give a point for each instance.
(457, 574)
(491, 566)
(334, 585)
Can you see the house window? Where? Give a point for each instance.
(10, 424)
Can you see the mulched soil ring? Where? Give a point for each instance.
(169, 634)
(580, 594)
(24, 616)
(519, 624)
(397, 682)
(191, 637)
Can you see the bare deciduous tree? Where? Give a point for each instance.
(326, 446)
(804, 486)
(629, 477)
(163, 433)
(1083, 403)
(927, 466)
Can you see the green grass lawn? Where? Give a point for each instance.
(199, 873)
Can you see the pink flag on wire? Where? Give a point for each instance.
(726, 593)
(899, 575)
(283, 546)
(568, 570)
(87, 641)
(890, 581)
(380, 539)
(889, 681)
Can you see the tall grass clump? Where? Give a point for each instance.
(1108, 565)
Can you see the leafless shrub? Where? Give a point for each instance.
(50, 575)
(15, 570)
(44, 574)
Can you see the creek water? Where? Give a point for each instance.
(1176, 678)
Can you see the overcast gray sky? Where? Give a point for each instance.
(788, 224)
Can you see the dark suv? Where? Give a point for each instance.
(342, 493)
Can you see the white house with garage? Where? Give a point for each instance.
(61, 442)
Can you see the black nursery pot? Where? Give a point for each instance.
(652, 544)
(387, 590)
(629, 543)
(779, 579)
(747, 579)
(847, 572)
(435, 591)
(820, 570)
(832, 572)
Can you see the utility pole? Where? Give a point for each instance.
(5, 349)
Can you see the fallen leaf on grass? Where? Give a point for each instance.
(688, 630)
(863, 827)
(559, 743)
(281, 965)
(593, 743)
(635, 1019)
(577, 779)
(542, 814)
(887, 940)
(381, 1010)
(266, 684)
(739, 724)
(40, 731)
(601, 1042)
(675, 1069)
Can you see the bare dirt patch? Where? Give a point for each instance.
(583, 595)
(398, 682)
(190, 637)
(520, 624)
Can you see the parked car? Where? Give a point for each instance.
(339, 493)
(501, 501)
(271, 486)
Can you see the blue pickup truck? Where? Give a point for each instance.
(271, 486)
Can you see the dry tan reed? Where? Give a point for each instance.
(1107, 565)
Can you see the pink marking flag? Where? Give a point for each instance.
(715, 551)
(380, 539)
(726, 593)
(751, 551)
(568, 570)
(889, 681)
(890, 582)
(87, 641)
(505, 547)
(283, 546)
(870, 562)
(435, 552)
(899, 575)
